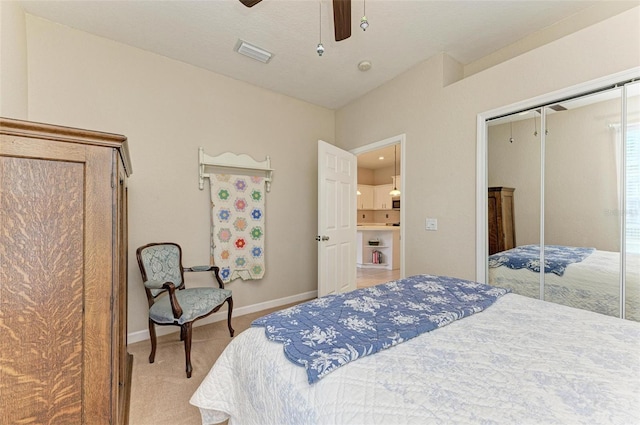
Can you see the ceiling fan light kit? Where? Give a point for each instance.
(364, 24)
(341, 22)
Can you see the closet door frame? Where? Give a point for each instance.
(482, 244)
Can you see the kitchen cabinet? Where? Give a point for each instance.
(377, 197)
(365, 199)
(381, 198)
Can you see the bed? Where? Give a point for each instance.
(578, 277)
(518, 360)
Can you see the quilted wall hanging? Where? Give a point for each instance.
(237, 214)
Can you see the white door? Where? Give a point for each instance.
(337, 187)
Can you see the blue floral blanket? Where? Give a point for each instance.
(556, 258)
(331, 331)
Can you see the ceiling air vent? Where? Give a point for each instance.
(253, 52)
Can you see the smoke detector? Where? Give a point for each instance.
(364, 66)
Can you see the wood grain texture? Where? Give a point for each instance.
(502, 234)
(41, 239)
(68, 135)
(99, 288)
(63, 283)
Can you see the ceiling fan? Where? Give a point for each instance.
(341, 17)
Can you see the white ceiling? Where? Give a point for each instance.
(372, 160)
(401, 34)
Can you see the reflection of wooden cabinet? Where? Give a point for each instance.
(63, 244)
(502, 234)
(381, 197)
(365, 198)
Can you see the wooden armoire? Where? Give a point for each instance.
(502, 232)
(63, 275)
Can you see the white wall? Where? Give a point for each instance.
(581, 187)
(167, 109)
(440, 127)
(13, 61)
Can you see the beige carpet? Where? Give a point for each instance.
(160, 392)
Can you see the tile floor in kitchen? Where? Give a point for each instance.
(371, 276)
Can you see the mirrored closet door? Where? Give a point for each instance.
(572, 168)
(631, 206)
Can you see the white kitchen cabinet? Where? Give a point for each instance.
(381, 197)
(365, 199)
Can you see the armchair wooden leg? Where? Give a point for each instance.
(182, 333)
(187, 346)
(230, 302)
(152, 335)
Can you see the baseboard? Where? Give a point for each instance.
(222, 315)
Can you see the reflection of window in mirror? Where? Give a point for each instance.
(574, 189)
(633, 188)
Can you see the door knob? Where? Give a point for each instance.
(322, 238)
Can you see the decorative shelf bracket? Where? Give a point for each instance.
(231, 162)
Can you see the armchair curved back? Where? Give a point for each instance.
(161, 262)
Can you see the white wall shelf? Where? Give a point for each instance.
(389, 247)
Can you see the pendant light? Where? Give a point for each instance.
(511, 138)
(364, 23)
(320, 48)
(395, 191)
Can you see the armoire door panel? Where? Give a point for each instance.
(501, 225)
(99, 286)
(41, 235)
(493, 236)
(63, 275)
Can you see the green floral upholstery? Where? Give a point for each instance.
(162, 263)
(195, 302)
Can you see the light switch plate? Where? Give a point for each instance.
(431, 224)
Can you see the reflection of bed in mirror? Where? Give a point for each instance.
(584, 278)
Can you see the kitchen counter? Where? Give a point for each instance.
(379, 227)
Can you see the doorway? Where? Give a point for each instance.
(381, 169)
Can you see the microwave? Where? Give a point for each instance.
(395, 203)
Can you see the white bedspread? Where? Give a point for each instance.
(521, 361)
(592, 284)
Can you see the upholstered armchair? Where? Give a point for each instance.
(170, 303)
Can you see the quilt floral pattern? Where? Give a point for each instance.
(331, 331)
(237, 226)
(556, 258)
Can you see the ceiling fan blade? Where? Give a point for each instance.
(250, 3)
(342, 19)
